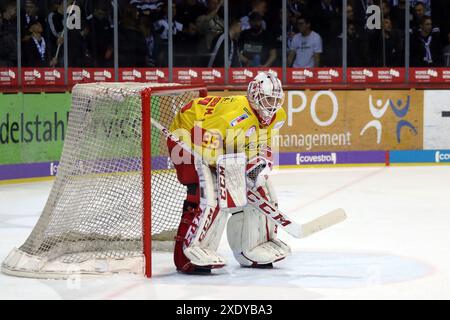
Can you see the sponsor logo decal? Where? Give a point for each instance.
(239, 119)
(316, 158)
(442, 157)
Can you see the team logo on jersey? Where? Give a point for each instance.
(251, 131)
(239, 119)
(278, 125)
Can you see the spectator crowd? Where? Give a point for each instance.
(314, 33)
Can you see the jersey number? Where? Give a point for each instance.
(211, 140)
(207, 139)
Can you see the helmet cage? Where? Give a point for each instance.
(266, 95)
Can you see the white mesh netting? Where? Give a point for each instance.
(92, 221)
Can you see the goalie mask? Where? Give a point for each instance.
(266, 96)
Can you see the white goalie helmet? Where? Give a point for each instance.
(266, 95)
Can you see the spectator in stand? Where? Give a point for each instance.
(426, 4)
(258, 6)
(291, 27)
(147, 7)
(188, 12)
(55, 43)
(398, 15)
(441, 17)
(306, 46)
(276, 26)
(426, 48)
(101, 36)
(161, 28)
(418, 15)
(385, 8)
(186, 48)
(298, 7)
(446, 52)
(217, 56)
(79, 53)
(147, 31)
(325, 16)
(357, 21)
(356, 53)
(359, 25)
(209, 26)
(35, 52)
(393, 46)
(8, 36)
(133, 48)
(257, 46)
(30, 13)
(327, 22)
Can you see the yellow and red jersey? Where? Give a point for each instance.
(221, 125)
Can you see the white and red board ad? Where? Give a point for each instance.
(158, 75)
(375, 75)
(314, 75)
(209, 76)
(429, 75)
(43, 76)
(242, 76)
(9, 77)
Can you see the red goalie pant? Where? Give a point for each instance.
(187, 175)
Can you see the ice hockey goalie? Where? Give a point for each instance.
(233, 136)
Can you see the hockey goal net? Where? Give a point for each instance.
(115, 188)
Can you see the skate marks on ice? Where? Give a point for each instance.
(293, 278)
(312, 269)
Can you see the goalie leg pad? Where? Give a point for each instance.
(201, 227)
(253, 239)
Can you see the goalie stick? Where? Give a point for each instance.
(266, 208)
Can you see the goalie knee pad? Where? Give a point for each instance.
(201, 227)
(253, 239)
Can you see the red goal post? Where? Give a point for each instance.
(147, 163)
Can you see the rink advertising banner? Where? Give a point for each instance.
(159, 75)
(429, 75)
(314, 75)
(209, 76)
(245, 75)
(28, 170)
(43, 76)
(352, 121)
(32, 127)
(376, 75)
(9, 77)
(86, 75)
(437, 119)
(435, 157)
(331, 158)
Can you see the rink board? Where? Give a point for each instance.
(44, 170)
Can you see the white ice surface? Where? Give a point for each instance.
(395, 244)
